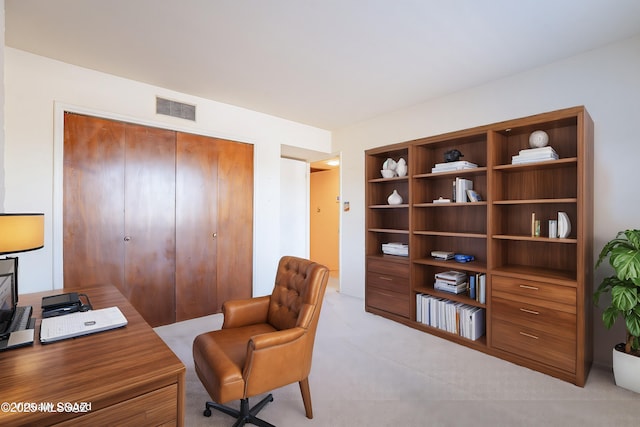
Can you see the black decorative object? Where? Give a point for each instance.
(452, 155)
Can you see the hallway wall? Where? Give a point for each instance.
(325, 217)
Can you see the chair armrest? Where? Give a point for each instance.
(277, 338)
(275, 359)
(244, 312)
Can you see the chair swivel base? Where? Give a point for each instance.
(244, 415)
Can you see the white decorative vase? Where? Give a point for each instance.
(626, 370)
(394, 198)
(401, 167)
(564, 225)
(389, 164)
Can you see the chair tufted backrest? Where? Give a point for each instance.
(296, 294)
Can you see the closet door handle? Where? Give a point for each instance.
(214, 235)
(127, 238)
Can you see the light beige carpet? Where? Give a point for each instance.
(369, 371)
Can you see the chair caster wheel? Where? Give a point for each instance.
(207, 412)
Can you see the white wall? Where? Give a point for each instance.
(37, 89)
(606, 81)
(1, 107)
(294, 208)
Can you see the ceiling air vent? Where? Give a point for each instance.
(175, 109)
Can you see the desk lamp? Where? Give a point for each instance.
(21, 232)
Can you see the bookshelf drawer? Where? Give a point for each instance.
(389, 283)
(392, 302)
(388, 268)
(543, 346)
(559, 322)
(507, 286)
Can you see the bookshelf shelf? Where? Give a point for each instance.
(480, 170)
(453, 297)
(388, 230)
(448, 205)
(449, 234)
(534, 239)
(552, 275)
(535, 201)
(387, 206)
(538, 165)
(394, 179)
(474, 266)
(478, 344)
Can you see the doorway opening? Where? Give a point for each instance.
(324, 216)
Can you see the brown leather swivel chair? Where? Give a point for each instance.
(265, 342)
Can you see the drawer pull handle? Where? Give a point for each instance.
(385, 278)
(529, 287)
(528, 335)
(530, 311)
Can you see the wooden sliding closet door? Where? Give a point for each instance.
(93, 202)
(214, 224)
(165, 216)
(235, 220)
(149, 233)
(196, 226)
(119, 220)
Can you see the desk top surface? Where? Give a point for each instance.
(102, 369)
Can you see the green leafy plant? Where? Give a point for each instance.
(624, 256)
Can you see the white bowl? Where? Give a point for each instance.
(387, 173)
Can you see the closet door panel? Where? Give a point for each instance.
(149, 224)
(93, 200)
(196, 229)
(235, 220)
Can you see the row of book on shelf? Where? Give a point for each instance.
(455, 317)
(457, 282)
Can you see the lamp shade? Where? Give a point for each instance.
(21, 232)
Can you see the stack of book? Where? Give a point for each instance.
(454, 282)
(472, 322)
(461, 319)
(399, 249)
(461, 187)
(533, 155)
(478, 287)
(453, 166)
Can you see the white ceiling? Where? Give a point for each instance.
(326, 63)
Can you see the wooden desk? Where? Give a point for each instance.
(128, 376)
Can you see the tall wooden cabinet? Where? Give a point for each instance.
(537, 302)
(146, 210)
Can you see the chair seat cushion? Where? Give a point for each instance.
(219, 358)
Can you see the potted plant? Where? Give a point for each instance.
(624, 286)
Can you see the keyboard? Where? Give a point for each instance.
(80, 323)
(21, 318)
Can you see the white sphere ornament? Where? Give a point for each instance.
(538, 139)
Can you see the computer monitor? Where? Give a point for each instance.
(8, 290)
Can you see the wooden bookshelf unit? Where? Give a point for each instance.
(537, 297)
